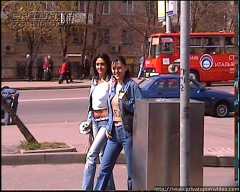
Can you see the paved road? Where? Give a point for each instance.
(53, 106)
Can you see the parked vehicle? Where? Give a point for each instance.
(212, 55)
(217, 103)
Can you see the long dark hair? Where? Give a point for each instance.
(123, 61)
(107, 60)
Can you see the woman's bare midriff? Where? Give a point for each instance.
(117, 123)
(100, 113)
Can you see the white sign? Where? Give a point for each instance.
(166, 61)
(81, 17)
(172, 8)
(161, 11)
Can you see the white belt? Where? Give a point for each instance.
(101, 119)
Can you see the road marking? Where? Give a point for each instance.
(54, 99)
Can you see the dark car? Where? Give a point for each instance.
(217, 103)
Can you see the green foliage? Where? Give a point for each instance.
(53, 145)
(29, 146)
(44, 145)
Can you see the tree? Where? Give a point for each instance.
(143, 20)
(85, 34)
(96, 24)
(97, 30)
(19, 15)
(206, 16)
(61, 34)
(212, 16)
(24, 130)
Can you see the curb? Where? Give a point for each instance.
(75, 157)
(53, 87)
(58, 150)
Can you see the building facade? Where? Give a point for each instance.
(113, 27)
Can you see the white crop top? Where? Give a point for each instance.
(100, 96)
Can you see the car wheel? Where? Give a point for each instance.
(194, 75)
(221, 109)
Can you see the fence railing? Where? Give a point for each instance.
(76, 71)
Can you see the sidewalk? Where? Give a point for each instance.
(39, 85)
(217, 152)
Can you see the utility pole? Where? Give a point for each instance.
(168, 21)
(184, 94)
(237, 95)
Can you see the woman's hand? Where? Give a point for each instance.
(107, 135)
(113, 80)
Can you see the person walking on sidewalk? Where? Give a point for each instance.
(141, 68)
(50, 60)
(69, 74)
(63, 72)
(46, 69)
(86, 67)
(39, 63)
(121, 107)
(29, 67)
(98, 116)
(11, 95)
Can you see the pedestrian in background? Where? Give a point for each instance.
(98, 117)
(11, 95)
(50, 60)
(121, 106)
(69, 74)
(141, 67)
(86, 67)
(39, 63)
(63, 72)
(46, 69)
(29, 67)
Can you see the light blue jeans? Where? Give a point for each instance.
(14, 105)
(96, 151)
(121, 139)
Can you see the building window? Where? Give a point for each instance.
(104, 36)
(150, 7)
(21, 37)
(77, 36)
(127, 37)
(82, 6)
(106, 7)
(48, 6)
(127, 7)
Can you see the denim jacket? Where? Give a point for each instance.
(93, 85)
(7, 93)
(128, 105)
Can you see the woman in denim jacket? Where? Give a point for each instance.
(98, 116)
(121, 103)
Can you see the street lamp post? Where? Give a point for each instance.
(184, 94)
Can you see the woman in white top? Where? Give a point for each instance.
(98, 116)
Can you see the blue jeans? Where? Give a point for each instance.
(121, 139)
(96, 151)
(13, 104)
